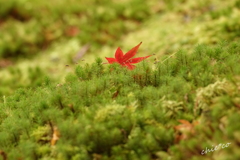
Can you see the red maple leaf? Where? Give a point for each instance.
(125, 60)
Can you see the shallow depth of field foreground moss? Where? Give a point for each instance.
(181, 103)
(171, 110)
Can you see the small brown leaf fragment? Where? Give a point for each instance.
(5, 63)
(237, 105)
(184, 130)
(55, 136)
(115, 94)
(72, 31)
(3, 154)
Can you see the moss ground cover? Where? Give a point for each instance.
(46, 36)
(109, 112)
(183, 102)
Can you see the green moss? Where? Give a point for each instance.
(54, 108)
(111, 112)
